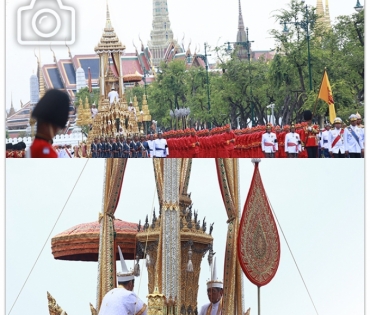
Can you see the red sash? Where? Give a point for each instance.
(267, 144)
(337, 138)
(68, 153)
(292, 144)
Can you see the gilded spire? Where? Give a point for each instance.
(327, 15)
(109, 40)
(320, 11)
(41, 78)
(241, 22)
(241, 35)
(12, 110)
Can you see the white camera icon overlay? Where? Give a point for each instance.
(46, 22)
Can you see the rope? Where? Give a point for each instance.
(292, 255)
(48, 237)
(146, 244)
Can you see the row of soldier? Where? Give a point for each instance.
(297, 140)
(136, 147)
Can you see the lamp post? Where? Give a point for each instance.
(247, 45)
(272, 113)
(205, 59)
(304, 24)
(146, 73)
(358, 6)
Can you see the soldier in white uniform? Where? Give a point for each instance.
(336, 139)
(113, 95)
(324, 141)
(214, 292)
(269, 142)
(122, 300)
(160, 146)
(354, 139)
(151, 145)
(293, 143)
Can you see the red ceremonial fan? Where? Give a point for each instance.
(258, 237)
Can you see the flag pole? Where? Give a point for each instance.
(259, 304)
(317, 97)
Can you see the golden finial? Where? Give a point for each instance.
(69, 51)
(41, 78)
(55, 59)
(86, 103)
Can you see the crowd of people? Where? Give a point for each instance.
(130, 147)
(300, 140)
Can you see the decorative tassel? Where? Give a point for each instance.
(190, 263)
(148, 260)
(137, 267)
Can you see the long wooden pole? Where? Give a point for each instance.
(259, 301)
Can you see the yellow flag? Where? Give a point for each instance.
(326, 95)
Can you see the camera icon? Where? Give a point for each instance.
(46, 22)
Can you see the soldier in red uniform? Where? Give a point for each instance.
(228, 138)
(9, 151)
(51, 114)
(310, 135)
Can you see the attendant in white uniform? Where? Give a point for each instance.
(151, 145)
(336, 139)
(123, 300)
(354, 139)
(324, 141)
(160, 146)
(113, 95)
(214, 292)
(293, 143)
(269, 142)
(131, 108)
(94, 110)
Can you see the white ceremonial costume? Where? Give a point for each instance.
(293, 143)
(215, 309)
(151, 147)
(132, 109)
(120, 301)
(160, 148)
(94, 111)
(112, 95)
(324, 142)
(350, 142)
(336, 143)
(269, 142)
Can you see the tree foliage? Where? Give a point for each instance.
(240, 90)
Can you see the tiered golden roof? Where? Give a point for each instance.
(145, 109)
(109, 40)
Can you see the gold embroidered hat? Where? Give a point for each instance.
(214, 282)
(124, 275)
(337, 120)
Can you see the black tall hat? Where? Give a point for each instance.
(9, 146)
(20, 146)
(53, 108)
(307, 115)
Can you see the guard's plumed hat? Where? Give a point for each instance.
(53, 108)
(307, 115)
